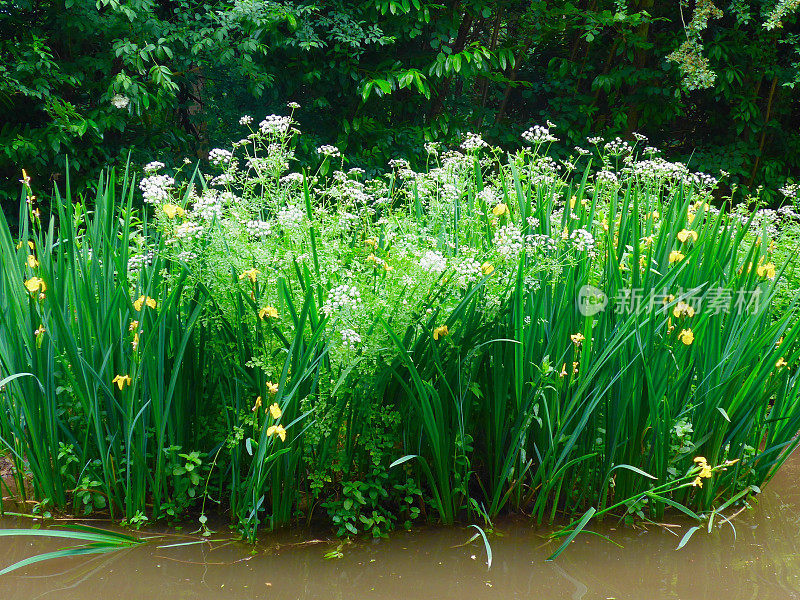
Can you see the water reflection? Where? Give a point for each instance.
(761, 563)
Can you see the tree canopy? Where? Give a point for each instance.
(97, 81)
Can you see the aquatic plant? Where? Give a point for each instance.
(498, 332)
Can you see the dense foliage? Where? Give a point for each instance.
(496, 332)
(94, 80)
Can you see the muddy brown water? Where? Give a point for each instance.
(761, 563)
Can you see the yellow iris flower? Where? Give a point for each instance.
(35, 284)
(500, 209)
(277, 430)
(275, 410)
(268, 312)
(251, 274)
(767, 270)
(440, 332)
(121, 381)
(173, 209)
(686, 336)
(681, 309)
(144, 301)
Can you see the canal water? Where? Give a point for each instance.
(760, 562)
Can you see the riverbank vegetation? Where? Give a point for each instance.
(499, 332)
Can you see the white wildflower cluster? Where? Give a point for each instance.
(327, 150)
(701, 180)
(541, 243)
(640, 137)
(489, 196)
(399, 163)
(467, 271)
(533, 222)
(290, 216)
(188, 231)
(608, 177)
(156, 188)
(582, 151)
(342, 298)
(220, 157)
(348, 190)
(275, 124)
(594, 141)
(658, 169)
(223, 179)
(258, 228)
(583, 241)
(291, 179)
(508, 241)
(450, 193)
(544, 171)
(137, 261)
(186, 256)
(153, 166)
(651, 150)
(472, 142)
(790, 191)
(258, 163)
(209, 205)
(245, 120)
(789, 213)
(433, 262)
(538, 135)
(356, 172)
(618, 147)
(432, 148)
(454, 161)
(119, 101)
(350, 339)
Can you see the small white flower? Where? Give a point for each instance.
(119, 101)
(538, 135)
(219, 157)
(328, 150)
(433, 262)
(245, 120)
